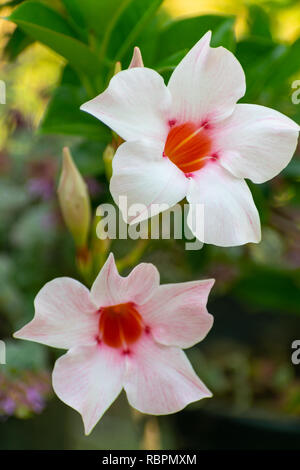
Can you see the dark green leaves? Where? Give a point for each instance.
(49, 27)
(95, 16)
(16, 44)
(258, 57)
(130, 26)
(259, 22)
(287, 65)
(272, 289)
(183, 34)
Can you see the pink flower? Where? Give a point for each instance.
(127, 332)
(190, 139)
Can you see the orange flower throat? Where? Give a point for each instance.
(120, 325)
(188, 146)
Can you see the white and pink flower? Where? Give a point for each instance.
(190, 139)
(127, 332)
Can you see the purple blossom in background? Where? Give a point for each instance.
(8, 406)
(40, 187)
(35, 399)
(94, 187)
(41, 181)
(24, 395)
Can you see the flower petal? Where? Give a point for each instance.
(177, 314)
(206, 84)
(145, 178)
(110, 288)
(135, 105)
(64, 315)
(230, 215)
(160, 379)
(89, 379)
(255, 142)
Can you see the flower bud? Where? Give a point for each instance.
(74, 200)
(137, 60)
(118, 67)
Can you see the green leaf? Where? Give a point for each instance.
(63, 115)
(293, 169)
(130, 26)
(11, 3)
(269, 67)
(49, 27)
(259, 22)
(147, 40)
(223, 35)
(95, 16)
(272, 289)
(257, 57)
(76, 11)
(171, 62)
(88, 157)
(261, 195)
(286, 66)
(35, 14)
(184, 33)
(16, 44)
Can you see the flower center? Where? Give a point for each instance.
(188, 146)
(120, 325)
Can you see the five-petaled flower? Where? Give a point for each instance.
(127, 332)
(190, 139)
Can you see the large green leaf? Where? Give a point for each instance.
(33, 13)
(49, 27)
(184, 33)
(63, 115)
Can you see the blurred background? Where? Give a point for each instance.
(54, 56)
